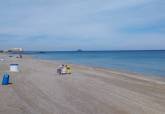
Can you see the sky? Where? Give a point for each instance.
(82, 24)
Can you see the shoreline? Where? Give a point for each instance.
(154, 77)
(38, 89)
(109, 70)
(146, 67)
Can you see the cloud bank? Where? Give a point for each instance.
(88, 24)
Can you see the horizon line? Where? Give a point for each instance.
(93, 50)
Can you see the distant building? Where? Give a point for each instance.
(1, 51)
(15, 50)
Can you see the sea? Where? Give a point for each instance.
(149, 63)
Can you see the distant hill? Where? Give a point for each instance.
(79, 50)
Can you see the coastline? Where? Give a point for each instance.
(148, 63)
(38, 89)
(111, 70)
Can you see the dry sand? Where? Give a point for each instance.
(37, 89)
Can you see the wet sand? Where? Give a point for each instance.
(38, 89)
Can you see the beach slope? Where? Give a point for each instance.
(38, 89)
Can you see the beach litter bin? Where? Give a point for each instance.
(14, 67)
(5, 80)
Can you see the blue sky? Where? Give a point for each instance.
(85, 24)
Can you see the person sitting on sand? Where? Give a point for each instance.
(63, 70)
(59, 69)
(68, 69)
(20, 56)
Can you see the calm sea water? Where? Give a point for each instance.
(142, 62)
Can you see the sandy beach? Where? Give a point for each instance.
(38, 89)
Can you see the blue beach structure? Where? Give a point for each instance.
(5, 80)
